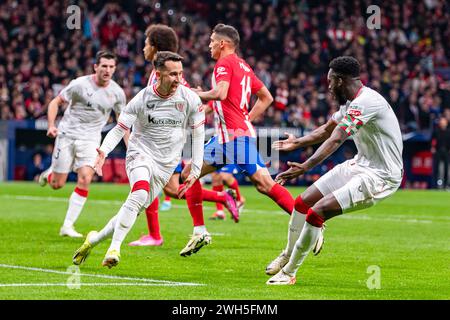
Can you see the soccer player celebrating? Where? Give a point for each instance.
(91, 99)
(160, 37)
(233, 83)
(373, 175)
(160, 115)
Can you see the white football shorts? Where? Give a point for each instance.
(143, 167)
(354, 187)
(71, 154)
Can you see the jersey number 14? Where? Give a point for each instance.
(246, 91)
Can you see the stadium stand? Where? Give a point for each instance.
(288, 43)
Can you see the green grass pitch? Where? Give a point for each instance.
(406, 238)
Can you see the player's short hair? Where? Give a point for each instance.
(106, 55)
(163, 56)
(229, 32)
(162, 37)
(345, 66)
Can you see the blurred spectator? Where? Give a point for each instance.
(440, 149)
(35, 167)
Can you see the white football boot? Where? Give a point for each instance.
(275, 266)
(69, 232)
(196, 242)
(282, 278)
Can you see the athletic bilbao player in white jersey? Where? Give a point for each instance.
(160, 116)
(373, 175)
(233, 83)
(91, 99)
(160, 37)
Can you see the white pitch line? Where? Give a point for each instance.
(395, 218)
(162, 282)
(95, 284)
(57, 199)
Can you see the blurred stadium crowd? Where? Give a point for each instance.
(288, 43)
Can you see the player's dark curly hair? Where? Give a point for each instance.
(162, 37)
(345, 66)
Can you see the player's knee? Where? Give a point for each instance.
(84, 181)
(263, 184)
(139, 194)
(137, 199)
(171, 190)
(263, 188)
(55, 185)
(229, 180)
(300, 205)
(216, 180)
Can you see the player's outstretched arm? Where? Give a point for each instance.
(52, 112)
(317, 136)
(261, 105)
(111, 140)
(330, 145)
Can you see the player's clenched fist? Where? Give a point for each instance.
(52, 132)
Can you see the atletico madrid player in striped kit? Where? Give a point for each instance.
(233, 83)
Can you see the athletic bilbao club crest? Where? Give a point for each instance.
(179, 106)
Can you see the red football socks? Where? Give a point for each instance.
(152, 219)
(282, 197)
(235, 187)
(219, 188)
(195, 203)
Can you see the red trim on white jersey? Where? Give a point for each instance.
(152, 79)
(223, 136)
(159, 94)
(120, 124)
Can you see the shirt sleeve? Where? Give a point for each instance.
(357, 116)
(121, 102)
(223, 71)
(338, 115)
(67, 93)
(197, 114)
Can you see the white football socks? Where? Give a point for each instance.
(76, 204)
(306, 241)
(106, 232)
(127, 217)
(199, 229)
(295, 228)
